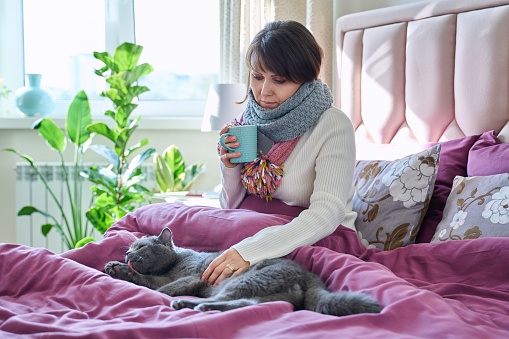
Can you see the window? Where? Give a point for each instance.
(61, 48)
(180, 40)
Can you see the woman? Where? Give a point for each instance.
(314, 140)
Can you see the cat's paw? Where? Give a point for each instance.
(111, 268)
(206, 307)
(118, 270)
(182, 303)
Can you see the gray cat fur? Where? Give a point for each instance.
(160, 265)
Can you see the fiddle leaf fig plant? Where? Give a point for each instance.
(171, 172)
(118, 189)
(73, 229)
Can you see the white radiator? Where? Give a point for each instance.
(31, 191)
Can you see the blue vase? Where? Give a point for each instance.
(34, 99)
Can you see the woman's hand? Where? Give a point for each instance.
(229, 263)
(224, 155)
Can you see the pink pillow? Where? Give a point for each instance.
(453, 161)
(488, 156)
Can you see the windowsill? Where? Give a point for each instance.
(146, 123)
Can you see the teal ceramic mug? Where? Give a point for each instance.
(247, 137)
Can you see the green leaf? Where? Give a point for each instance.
(129, 108)
(78, 118)
(136, 91)
(120, 211)
(113, 93)
(104, 200)
(24, 156)
(46, 228)
(128, 199)
(174, 160)
(137, 162)
(99, 219)
(110, 113)
(97, 191)
(121, 117)
(191, 174)
(107, 153)
(128, 79)
(119, 86)
(143, 189)
(134, 123)
(102, 129)
(142, 70)
(123, 138)
(164, 176)
(108, 62)
(143, 142)
(29, 210)
(135, 179)
(127, 56)
(53, 135)
(83, 242)
(103, 177)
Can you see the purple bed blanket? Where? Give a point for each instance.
(449, 290)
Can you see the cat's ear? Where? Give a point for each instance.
(166, 237)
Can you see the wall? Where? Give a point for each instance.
(195, 145)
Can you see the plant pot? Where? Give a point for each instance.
(34, 99)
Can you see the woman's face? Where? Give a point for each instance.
(271, 90)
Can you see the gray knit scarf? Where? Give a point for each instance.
(293, 117)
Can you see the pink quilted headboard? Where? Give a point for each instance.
(428, 71)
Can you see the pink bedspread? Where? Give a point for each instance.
(449, 290)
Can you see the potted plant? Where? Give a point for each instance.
(172, 174)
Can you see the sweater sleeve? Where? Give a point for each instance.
(232, 192)
(330, 155)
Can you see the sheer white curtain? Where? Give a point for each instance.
(242, 19)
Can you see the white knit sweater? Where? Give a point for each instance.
(318, 174)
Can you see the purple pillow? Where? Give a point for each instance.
(453, 161)
(485, 156)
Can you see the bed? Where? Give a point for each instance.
(426, 87)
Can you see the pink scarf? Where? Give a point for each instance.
(263, 176)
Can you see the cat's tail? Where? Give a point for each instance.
(340, 303)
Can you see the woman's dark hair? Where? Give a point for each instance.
(288, 49)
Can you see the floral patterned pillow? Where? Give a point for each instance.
(391, 198)
(476, 207)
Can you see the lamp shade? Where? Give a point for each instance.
(222, 105)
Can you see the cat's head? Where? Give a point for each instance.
(152, 254)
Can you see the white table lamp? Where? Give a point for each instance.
(222, 107)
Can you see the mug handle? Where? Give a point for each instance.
(221, 141)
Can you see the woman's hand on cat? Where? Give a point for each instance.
(219, 269)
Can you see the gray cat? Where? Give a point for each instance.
(155, 262)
